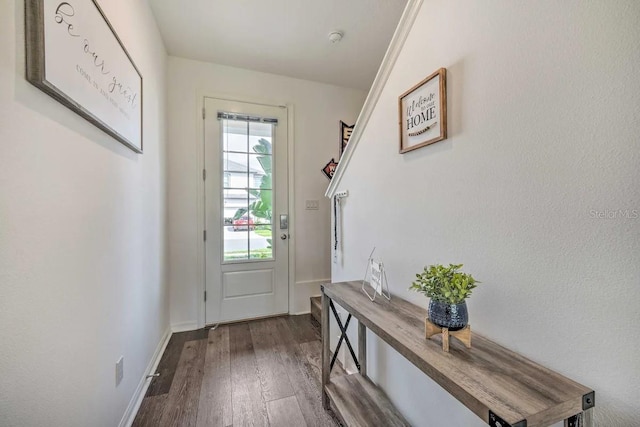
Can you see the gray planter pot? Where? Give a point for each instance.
(451, 316)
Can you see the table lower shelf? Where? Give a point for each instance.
(358, 402)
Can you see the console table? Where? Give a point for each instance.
(501, 387)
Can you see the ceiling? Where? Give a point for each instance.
(286, 37)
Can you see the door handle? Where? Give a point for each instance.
(284, 236)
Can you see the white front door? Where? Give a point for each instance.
(246, 210)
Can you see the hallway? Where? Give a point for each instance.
(263, 372)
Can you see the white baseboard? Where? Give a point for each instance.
(184, 326)
(143, 385)
(298, 302)
(302, 291)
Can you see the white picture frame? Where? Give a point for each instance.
(75, 56)
(375, 277)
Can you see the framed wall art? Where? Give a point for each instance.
(330, 168)
(75, 56)
(345, 134)
(423, 112)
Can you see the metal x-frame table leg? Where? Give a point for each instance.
(343, 336)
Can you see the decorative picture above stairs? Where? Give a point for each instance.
(345, 134)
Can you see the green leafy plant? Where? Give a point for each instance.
(261, 207)
(444, 284)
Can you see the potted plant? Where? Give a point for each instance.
(447, 288)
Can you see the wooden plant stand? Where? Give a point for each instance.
(464, 334)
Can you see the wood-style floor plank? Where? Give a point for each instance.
(181, 407)
(285, 413)
(303, 329)
(150, 411)
(301, 375)
(312, 350)
(249, 408)
(244, 374)
(215, 405)
(169, 360)
(273, 376)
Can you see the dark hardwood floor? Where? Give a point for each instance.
(258, 373)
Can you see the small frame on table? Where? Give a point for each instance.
(423, 112)
(375, 277)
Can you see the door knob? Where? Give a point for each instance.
(283, 236)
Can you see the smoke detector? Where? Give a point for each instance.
(335, 36)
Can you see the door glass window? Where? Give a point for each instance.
(247, 189)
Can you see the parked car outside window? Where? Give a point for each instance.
(243, 223)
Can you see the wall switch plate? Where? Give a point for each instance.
(119, 370)
(312, 205)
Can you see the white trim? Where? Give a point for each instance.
(299, 313)
(318, 281)
(302, 291)
(136, 400)
(292, 205)
(388, 62)
(184, 327)
(201, 219)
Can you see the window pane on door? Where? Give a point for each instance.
(235, 136)
(260, 242)
(247, 190)
(236, 173)
(260, 171)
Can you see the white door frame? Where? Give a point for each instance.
(200, 204)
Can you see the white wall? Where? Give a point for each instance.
(318, 109)
(82, 240)
(543, 130)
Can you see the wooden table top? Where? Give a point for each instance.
(486, 377)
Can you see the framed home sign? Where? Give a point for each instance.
(423, 112)
(75, 56)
